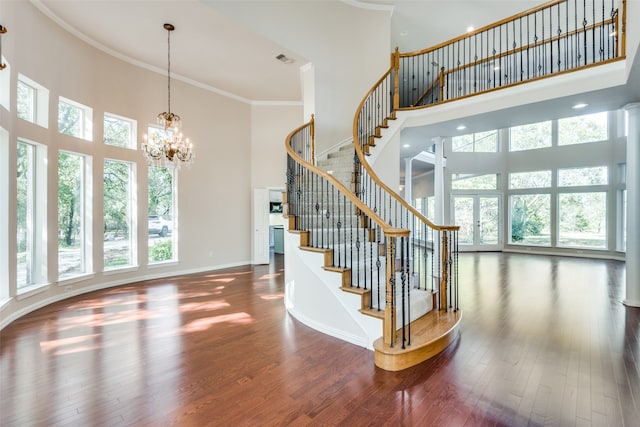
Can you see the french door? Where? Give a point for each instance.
(479, 218)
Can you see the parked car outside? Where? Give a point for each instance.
(159, 225)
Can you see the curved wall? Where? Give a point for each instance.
(213, 196)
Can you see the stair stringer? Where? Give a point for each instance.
(310, 290)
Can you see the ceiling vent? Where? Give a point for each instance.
(284, 59)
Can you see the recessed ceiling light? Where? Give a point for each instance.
(461, 127)
(579, 106)
(470, 28)
(407, 145)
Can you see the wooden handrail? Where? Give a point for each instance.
(529, 46)
(485, 28)
(375, 177)
(386, 228)
(426, 91)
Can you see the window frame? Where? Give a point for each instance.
(133, 125)
(40, 110)
(132, 224)
(86, 230)
(86, 119)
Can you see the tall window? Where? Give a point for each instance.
(581, 129)
(119, 131)
(583, 220)
(26, 204)
(161, 218)
(530, 219)
(529, 137)
(32, 101)
(118, 206)
(73, 250)
(31, 214)
(480, 142)
(75, 119)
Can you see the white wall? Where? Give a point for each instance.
(214, 195)
(348, 46)
(270, 126)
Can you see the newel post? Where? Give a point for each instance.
(395, 62)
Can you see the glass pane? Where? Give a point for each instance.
(537, 179)
(474, 182)
(583, 176)
(25, 213)
(530, 219)
(529, 137)
(117, 131)
(161, 218)
(69, 119)
(117, 215)
(463, 217)
(489, 224)
(581, 129)
(26, 102)
(70, 223)
(462, 143)
(583, 220)
(486, 142)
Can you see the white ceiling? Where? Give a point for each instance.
(213, 51)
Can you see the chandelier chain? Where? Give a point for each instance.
(169, 70)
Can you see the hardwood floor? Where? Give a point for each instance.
(544, 341)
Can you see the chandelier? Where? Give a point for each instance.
(168, 146)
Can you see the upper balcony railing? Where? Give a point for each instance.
(557, 37)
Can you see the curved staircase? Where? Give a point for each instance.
(402, 268)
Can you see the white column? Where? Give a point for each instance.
(438, 181)
(632, 297)
(438, 196)
(408, 180)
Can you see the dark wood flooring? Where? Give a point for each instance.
(544, 341)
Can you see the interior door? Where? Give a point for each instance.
(479, 219)
(260, 226)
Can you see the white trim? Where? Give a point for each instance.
(631, 303)
(321, 327)
(533, 250)
(55, 18)
(370, 6)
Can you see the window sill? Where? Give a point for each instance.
(169, 263)
(75, 279)
(127, 269)
(32, 290)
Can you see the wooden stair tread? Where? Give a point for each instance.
(314, 249)
(373, 312)
(354, 290)
(430, 334)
